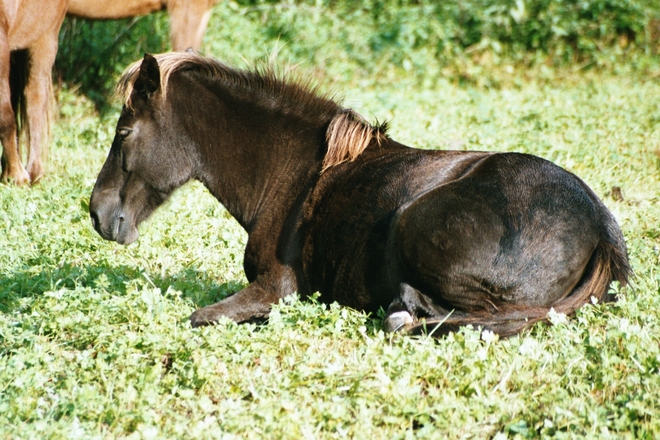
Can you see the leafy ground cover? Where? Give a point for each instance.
(94, 338)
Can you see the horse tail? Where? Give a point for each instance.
(609, 262)
(19, 74)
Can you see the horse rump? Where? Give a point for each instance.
(608, 263)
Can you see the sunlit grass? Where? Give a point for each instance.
(95, 341)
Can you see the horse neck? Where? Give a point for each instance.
(255, 160)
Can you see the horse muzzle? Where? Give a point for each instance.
(112, 223)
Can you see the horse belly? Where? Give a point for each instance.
(344, 260)
(348, 252)
(492, 239)
(92, 9)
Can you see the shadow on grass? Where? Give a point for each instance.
(27, 283)
(22, 290)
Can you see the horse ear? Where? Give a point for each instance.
(148, 80)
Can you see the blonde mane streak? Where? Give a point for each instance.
(168, 63)
(348, 135)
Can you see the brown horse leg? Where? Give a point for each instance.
(251, 303)
(188, 21)
(398, 316)
(410, 309)
(39, 94)
(12, 168)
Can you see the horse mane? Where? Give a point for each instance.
(348, 133)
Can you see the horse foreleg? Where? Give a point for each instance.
(188, 21)
(12, 168)
(39, 96)
(251, 303)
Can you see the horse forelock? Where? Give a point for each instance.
(348, 135)
(168, 63)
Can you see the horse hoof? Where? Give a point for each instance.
(200, 318)
(19, 178)
(35, 172)
(397, 321)
(36, 178)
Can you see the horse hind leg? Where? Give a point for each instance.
(408, 307)
(39, 94)
(12, 167)
(399, 316)
(188, 22)
(414, 313)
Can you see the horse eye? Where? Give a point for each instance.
(123, 132)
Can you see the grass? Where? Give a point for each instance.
(94, 337)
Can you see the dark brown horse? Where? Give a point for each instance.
(188, 18)
(28, 44)
(332, 204)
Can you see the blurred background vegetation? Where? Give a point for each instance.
(481, 42)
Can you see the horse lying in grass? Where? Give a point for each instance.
(332, 204)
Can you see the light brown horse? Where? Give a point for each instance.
(188, 18)
(28, 45)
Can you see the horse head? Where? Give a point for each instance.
(146, 162)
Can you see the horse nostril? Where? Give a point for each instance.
(95, 219)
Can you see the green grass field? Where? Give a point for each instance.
(95, 340)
